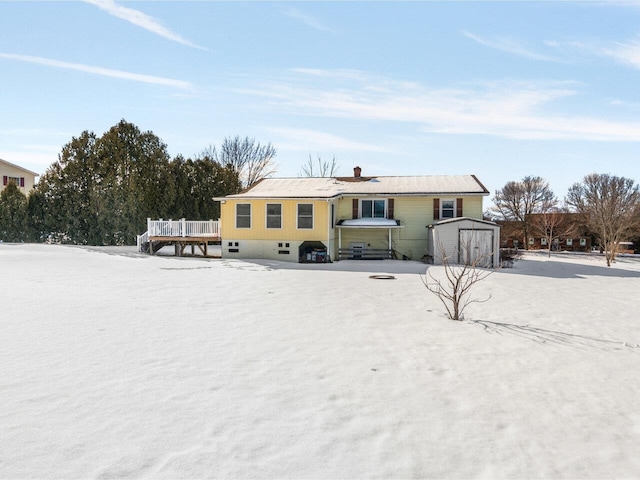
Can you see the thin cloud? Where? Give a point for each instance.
(306, 140)
(106, 72)
(510, 46)
(517, 110)
(625, 53)
(307, 19)
(139, 19)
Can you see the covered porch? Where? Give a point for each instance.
(359, 248)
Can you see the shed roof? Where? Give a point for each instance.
(357, 186)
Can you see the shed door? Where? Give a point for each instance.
(476, 246)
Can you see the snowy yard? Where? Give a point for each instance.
(117, 365)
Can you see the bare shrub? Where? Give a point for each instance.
(454, 289)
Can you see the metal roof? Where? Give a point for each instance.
(305, 187)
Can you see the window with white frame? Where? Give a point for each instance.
(569, 242)
(447, 209)
(543, 241)
(373, 208)
(305, 215)
(18, 181)
(583, 242)
(532, 240)
(243, 215)
(274, 215)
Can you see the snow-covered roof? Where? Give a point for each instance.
(354, 186)
(369, 223)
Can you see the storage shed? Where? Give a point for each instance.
(465, 240)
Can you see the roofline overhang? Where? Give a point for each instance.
(19, 167)
(354, 195)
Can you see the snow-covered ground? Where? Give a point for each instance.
(118, 365)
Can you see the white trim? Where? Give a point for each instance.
(313, 216)
(373, 199)
(250, 216)
(266, 215)
(455, 207)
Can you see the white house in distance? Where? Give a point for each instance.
(360, 217)
(23, 178)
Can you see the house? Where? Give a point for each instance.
(359, 217)
(568, 233)
(23, 178)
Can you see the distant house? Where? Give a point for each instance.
(24, 179)
(326, 219)
(569, 234)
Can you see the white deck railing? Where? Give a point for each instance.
(183, 228)
(142, 240)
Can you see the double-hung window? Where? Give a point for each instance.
(373, 208)
(243, 215)
(447, 209)
(444, 208)
(274, 215)
(305, 215)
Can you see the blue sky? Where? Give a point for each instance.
(499, 89)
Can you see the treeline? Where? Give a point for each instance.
(102, 189)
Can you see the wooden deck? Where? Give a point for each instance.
(181, 244)
(181, 234)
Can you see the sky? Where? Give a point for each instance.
(501, 90)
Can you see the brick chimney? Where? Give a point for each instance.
(356, 172)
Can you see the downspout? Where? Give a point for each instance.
(329, 221)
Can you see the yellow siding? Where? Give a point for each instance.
(416, 212)
(289, 230)
(414, 215)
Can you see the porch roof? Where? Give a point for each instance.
(369, 223)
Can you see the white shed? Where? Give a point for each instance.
(465, 240)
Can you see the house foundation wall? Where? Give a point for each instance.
(283, 250)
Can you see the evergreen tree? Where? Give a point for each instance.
(13, 214)
(102, 189)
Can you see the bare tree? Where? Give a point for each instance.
(324, 168)
(552, 225)
(250, 160)
(454, 289)
(610, 208)
(517, 201)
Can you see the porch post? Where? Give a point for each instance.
(389, 239)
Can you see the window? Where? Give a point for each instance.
(373, 208)
(274, 215)
(532, 240)
(543, 241)
(448, 209)
(583, 242)
(18, 181)
(569, 242)
(305, 215)
(243, 215)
